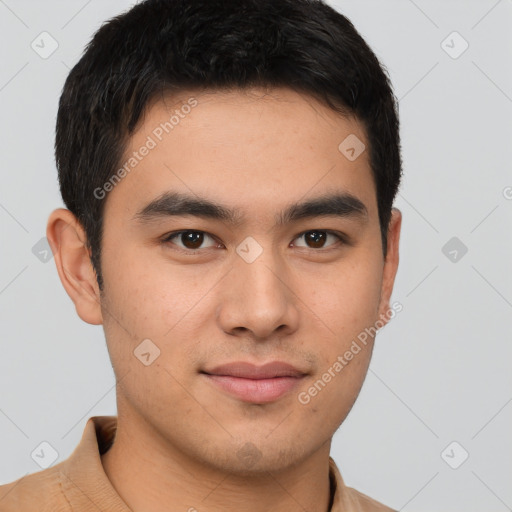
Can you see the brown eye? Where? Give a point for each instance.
(316, 239)
(191, 240)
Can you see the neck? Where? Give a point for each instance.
(151, 475)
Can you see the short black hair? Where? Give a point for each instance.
(167, 46)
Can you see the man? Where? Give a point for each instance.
(229, 170)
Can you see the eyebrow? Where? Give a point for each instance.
(176, 204)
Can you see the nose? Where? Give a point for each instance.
(258, 297)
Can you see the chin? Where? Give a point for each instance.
(248, 458)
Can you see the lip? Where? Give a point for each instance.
(255, 384)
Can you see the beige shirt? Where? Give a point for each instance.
(79, 483)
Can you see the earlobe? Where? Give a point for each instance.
(390, 263)
(67, 241)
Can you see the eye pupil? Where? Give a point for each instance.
(193, 240)
(316, 237)
(193, 237)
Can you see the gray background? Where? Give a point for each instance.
(441, 368)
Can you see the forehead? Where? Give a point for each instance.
(255, 150)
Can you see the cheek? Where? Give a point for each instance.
(345, 298)
(348, 304)
(149, 299)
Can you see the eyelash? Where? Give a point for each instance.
(170, 236)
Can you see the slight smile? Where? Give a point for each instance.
(255, 384)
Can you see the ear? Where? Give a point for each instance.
(390, 264)
(67, 240)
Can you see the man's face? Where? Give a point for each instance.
(259, 290)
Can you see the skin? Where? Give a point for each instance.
(179, 437)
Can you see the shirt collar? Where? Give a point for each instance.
(83, 474)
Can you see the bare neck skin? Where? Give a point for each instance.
(151, 476)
